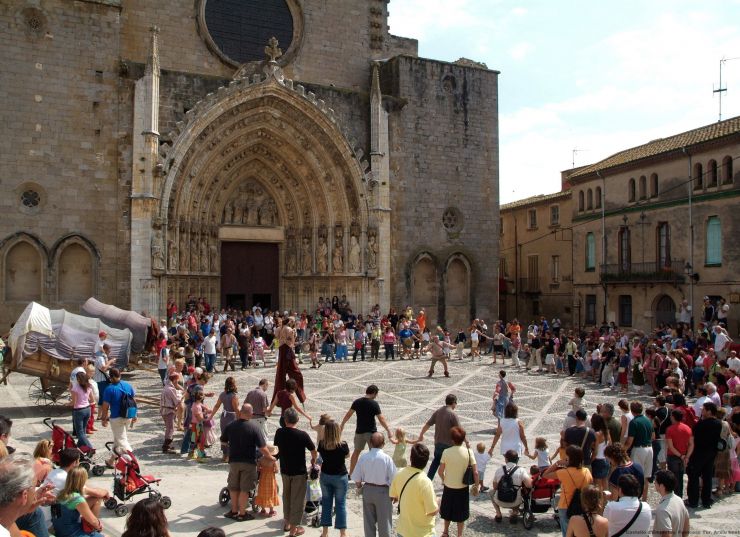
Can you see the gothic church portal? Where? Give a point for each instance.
(271, 151)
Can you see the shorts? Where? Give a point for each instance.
(362, 440)
(407, 343)
(644, 457)
(473, 344)
(228, 352)
(242, 476)
(663, 451)
(498, 348)
(600, 468)
(550, 359)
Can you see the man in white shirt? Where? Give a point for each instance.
(671, 515)
(210, 344)
(81, 368)
(628, 512)
(519, 478)
(721, 342)
(374, 473)
(733, 362)
(701, 391)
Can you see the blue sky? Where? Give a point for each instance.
(593, 75)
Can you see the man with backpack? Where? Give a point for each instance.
(506, 490)
(119, 406)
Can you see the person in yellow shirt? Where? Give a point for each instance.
(413, 491)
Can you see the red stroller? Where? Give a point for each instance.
(128, 481)
(61, 439)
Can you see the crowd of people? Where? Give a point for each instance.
(602, 468)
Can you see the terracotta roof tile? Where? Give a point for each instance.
(535, 199)
(663, 145)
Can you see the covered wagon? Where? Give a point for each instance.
(46, 344)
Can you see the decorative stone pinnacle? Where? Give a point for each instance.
(272, 50)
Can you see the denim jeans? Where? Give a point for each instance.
(210, 362)
(80, 417)
(563, 515)
(334, 489)
(341, 351)
(438, 449)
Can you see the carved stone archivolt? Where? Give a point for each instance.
(250, 205)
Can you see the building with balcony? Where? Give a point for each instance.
(535, 276)
(653, 225)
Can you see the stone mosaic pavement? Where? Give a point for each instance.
(406, 397)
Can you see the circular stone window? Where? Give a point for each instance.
(452, 220)
(238, 30)
(31, 198)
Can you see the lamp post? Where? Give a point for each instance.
(689, 270)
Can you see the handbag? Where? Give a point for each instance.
(468, 477)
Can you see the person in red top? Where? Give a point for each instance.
(678, 437)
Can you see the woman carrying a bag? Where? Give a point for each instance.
(458, 471)
(573, 478)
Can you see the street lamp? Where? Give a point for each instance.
(689, 270)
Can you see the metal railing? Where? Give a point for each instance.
(651, 271)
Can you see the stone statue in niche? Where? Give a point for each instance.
(229, 213)
(172, 254)
(338, 257)
(306, 256)
(213, 255)
(372, 251)
(204, 252)
(184, 257)
(354, 254)
(158, 260)
(252, 215)
(267, 212)
(194, 261)
(321, 256)
(239, 208)
(290, 255)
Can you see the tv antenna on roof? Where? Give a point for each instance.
(720, 90)
(573, 161)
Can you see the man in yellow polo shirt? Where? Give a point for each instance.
(414, 493)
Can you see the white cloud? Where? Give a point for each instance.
(520, 50)
(519, 11)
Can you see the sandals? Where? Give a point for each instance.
(231, 514)
(243, 518)
(498, 519)
(298, 531)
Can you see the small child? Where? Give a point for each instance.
(481, 460)
(560, 453)
(258, 349)
(575, 403)
(541, 453)
(96, 396)
(399, 452)
(267, 488)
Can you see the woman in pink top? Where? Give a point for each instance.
(82, 398)
(389, 340)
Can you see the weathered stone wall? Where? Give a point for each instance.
(444, 155)
(58, 130)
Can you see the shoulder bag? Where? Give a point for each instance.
(629, 524)
(404, 488)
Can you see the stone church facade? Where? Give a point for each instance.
(160, 149)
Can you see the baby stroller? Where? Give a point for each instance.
(539, 499)
(312, 511)
(224, 497)
(128, 482)
(61, 439)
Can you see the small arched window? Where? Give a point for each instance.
(698, 176)
(643, 187)
(597, 195)
(654, 185)
(727, 170)
(580, 201)
(631, 189)
(712, 173)
(589, 199)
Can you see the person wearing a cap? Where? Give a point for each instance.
(99, 342)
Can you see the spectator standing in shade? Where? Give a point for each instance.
(367, 408)
(334, 480)
(414, 493)
(701, 454)
(671, 515)
(455, 504)
(640, 436)
(678, 437)
(582, 436)
(374, 473)
(293, 444)
(443, 420)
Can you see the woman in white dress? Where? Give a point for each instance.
(510, 431)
